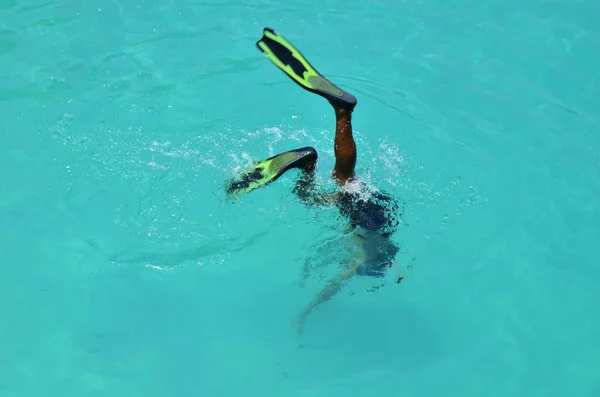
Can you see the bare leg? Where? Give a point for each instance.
(345, 157)
(344, 146)
(306, 188)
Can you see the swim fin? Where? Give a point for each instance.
(266, 171)
(287, 58)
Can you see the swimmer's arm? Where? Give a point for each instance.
(332, 288)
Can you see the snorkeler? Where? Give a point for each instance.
(372, 214)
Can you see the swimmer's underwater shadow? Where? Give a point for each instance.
(176, 258)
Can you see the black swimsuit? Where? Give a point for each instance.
(377, 216)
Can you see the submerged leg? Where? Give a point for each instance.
(305, 187)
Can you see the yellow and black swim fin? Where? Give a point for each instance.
(266, 171)
(287, 58)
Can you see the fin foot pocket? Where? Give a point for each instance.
(267, 171)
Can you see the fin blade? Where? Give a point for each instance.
(290, 60)
(309, 70)
(287, 69)
(287, 58)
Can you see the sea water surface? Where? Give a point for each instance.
(124, 271)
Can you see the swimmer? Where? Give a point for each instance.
(371, 214)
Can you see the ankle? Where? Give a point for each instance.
(310, 167)
(345, 104)
(342, 113)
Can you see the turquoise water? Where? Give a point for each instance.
(125, 272)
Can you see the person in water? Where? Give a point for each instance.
(372, 214)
